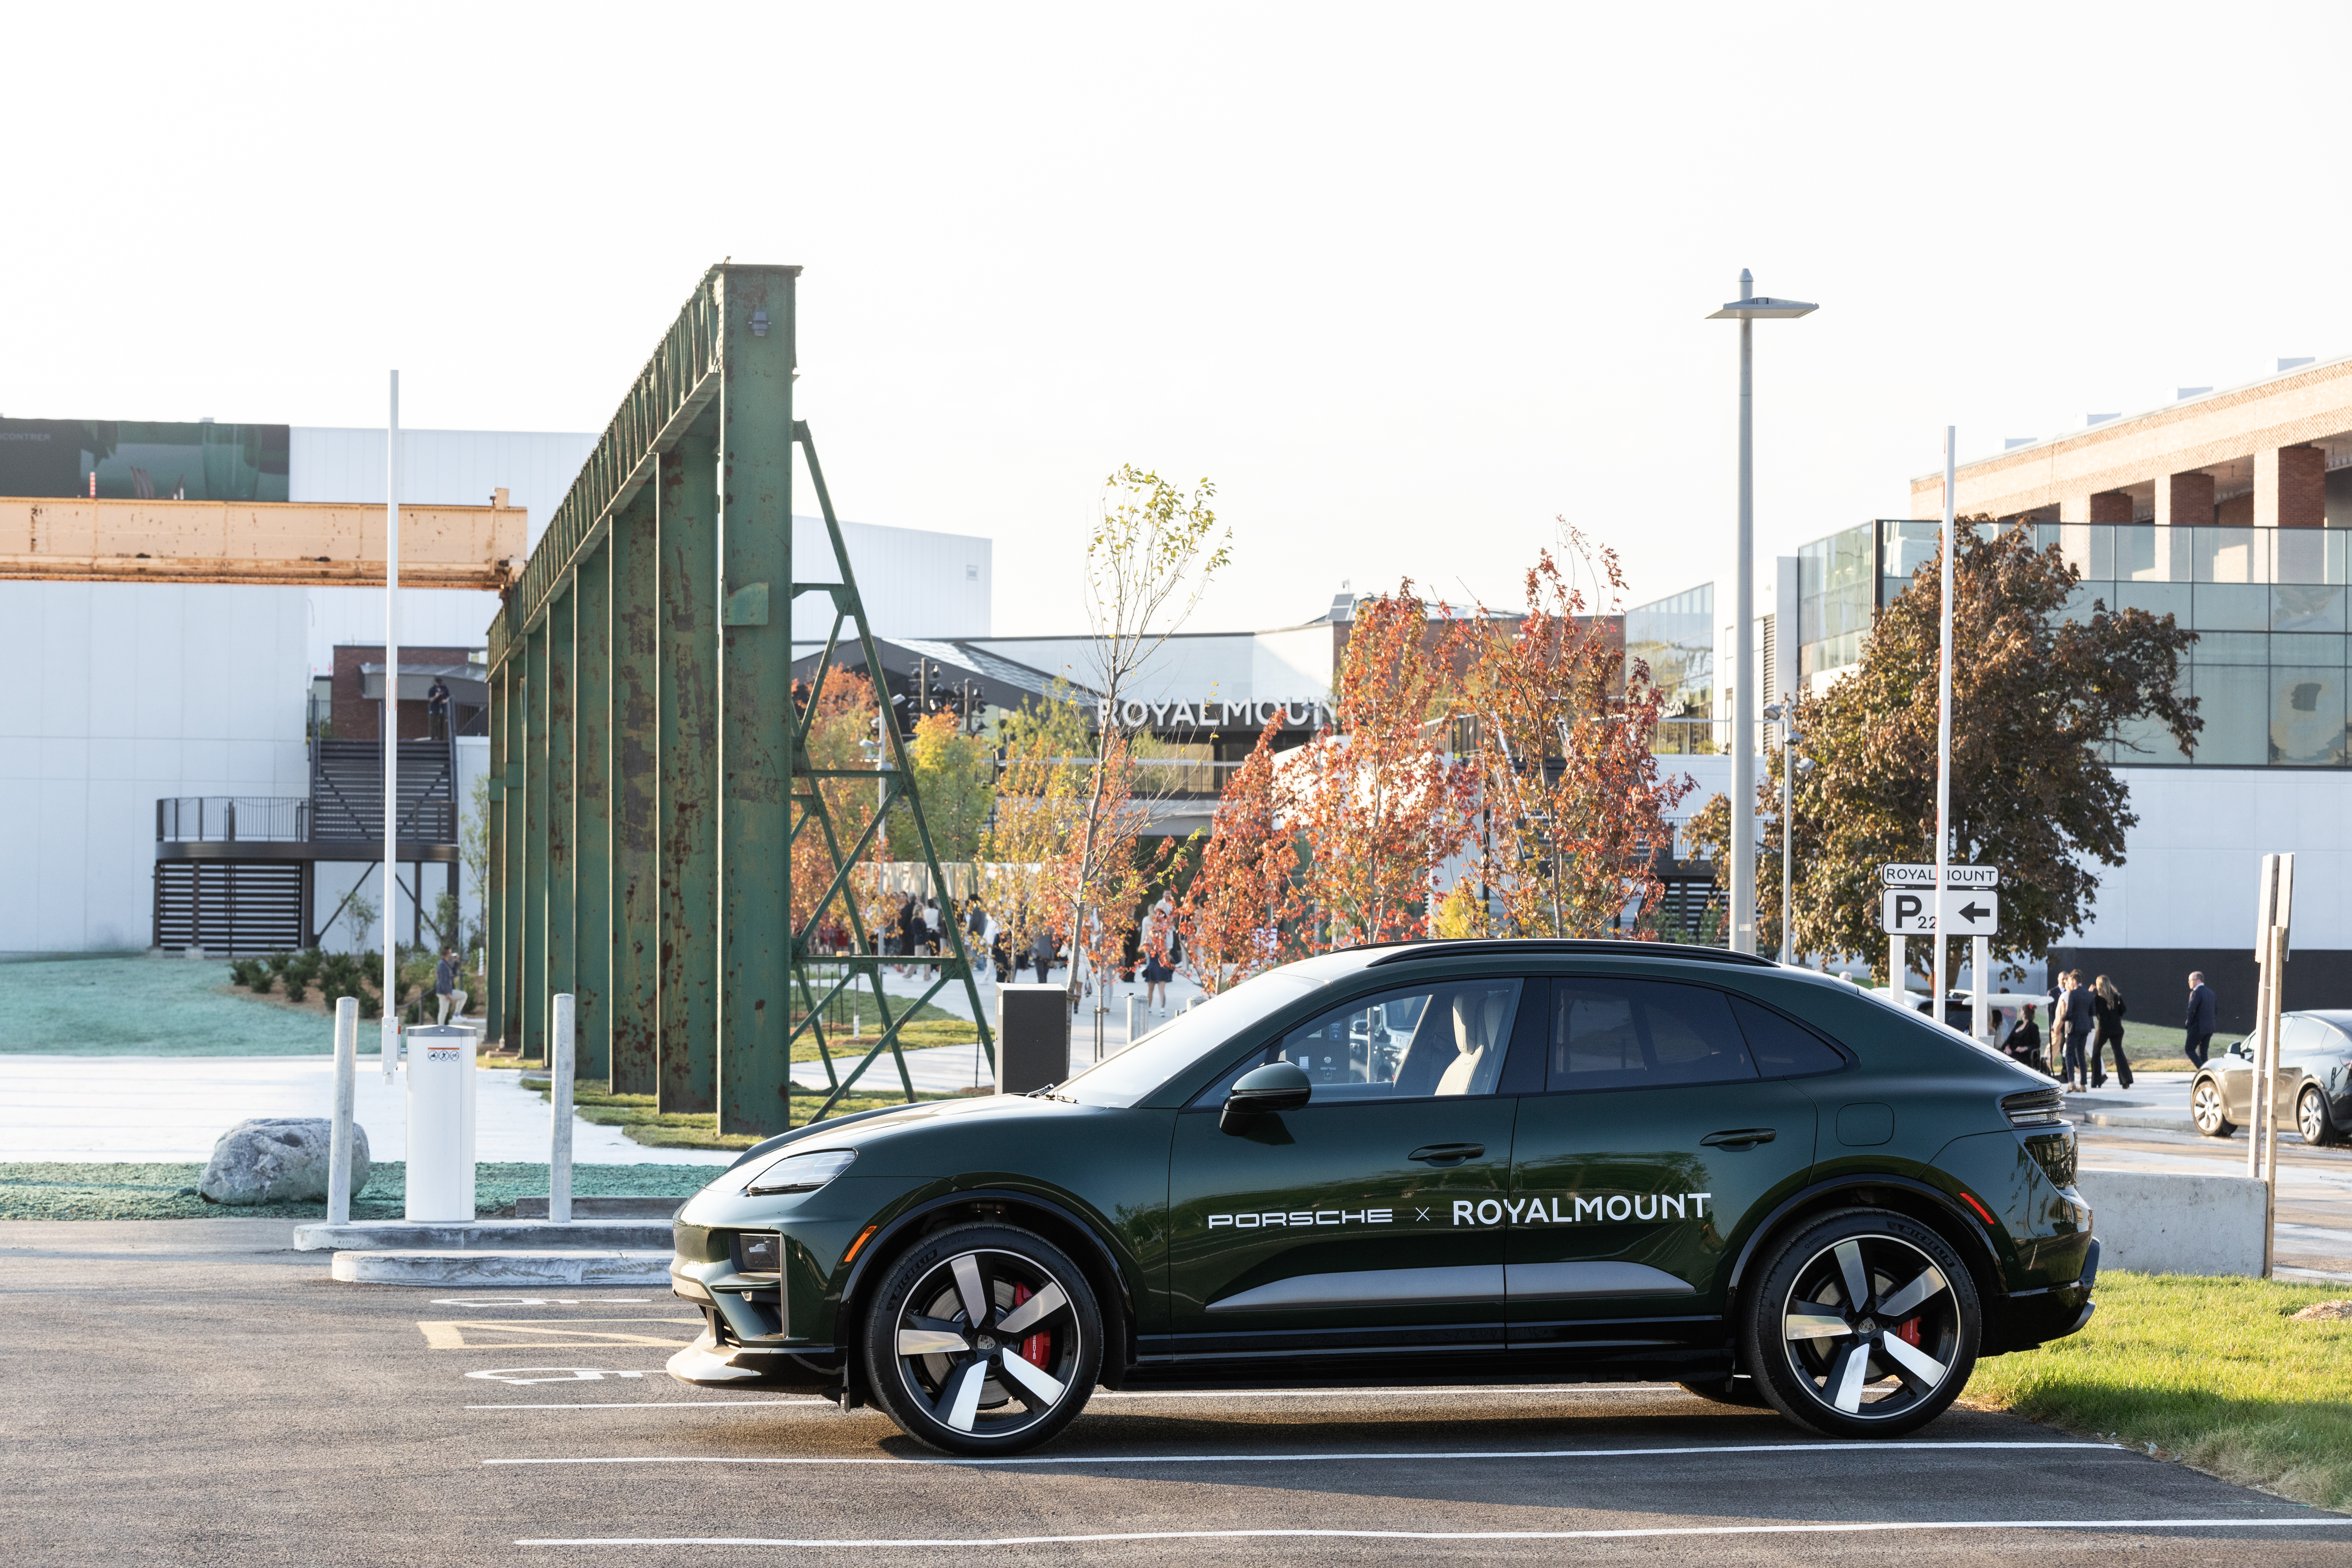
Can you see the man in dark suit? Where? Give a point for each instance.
(2200, 1022)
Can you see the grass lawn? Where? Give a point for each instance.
(2212, 1371)
(641, 1122)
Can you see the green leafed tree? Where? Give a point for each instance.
(2041, 697)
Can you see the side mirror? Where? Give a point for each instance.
(1275, 1087)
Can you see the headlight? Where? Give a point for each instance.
(799, 1172)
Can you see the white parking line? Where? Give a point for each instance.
(1788, 1448)
(1521, 1390)
(658, 1405)
(1643, 1532)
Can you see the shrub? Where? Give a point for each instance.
(261, 982)
(295, 990)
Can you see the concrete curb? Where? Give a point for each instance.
(2155, 1124)
(488, 1268)
(397, 1236)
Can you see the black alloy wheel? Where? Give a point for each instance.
(2311, 1118)
(1863, 1324)
(983, 1339)
(2209, 1110)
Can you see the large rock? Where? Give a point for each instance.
(279, 1159)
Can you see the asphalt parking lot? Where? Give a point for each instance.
(188, 1392)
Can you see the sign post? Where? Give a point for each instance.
(1907, 908)
(2273, 912)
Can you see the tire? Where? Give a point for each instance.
(1831, 1306)
(1739, 1390)
(2209, 1110)
(958, 1390)
(2311, 1118)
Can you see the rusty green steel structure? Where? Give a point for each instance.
(650, 773)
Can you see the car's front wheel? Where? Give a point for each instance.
(2209, 1110)
(1863, 1324)
(983, 1338)
(2311, 1118)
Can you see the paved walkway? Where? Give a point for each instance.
(142, 1108)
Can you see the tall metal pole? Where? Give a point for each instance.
(1944, 736)
(391, 1037)
(1743, 688)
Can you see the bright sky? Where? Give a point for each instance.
(1406, 282)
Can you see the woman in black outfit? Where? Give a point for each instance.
(2107, 1004)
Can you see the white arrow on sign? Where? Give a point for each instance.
(1913, 913)
(1976, 878)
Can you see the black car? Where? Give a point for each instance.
(2314, 1080)
(1435, 1162)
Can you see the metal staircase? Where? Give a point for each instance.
(347, 792)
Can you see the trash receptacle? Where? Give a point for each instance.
(440, 1124)
(1033, 1036)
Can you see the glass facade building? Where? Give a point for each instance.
(1675, 638)
(2268, 605)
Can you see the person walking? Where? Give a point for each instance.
(910, 931)
(2082, 1021)
(437, 710)
(2107, 1006)
(448, 998)
(2199, 1021)
(932, 932)
(1041, 954)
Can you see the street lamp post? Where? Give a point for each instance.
(1747, 310)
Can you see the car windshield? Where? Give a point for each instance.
(1125, 1078)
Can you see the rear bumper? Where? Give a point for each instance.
(2030, 1318)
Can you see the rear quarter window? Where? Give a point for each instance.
(1782, 1046)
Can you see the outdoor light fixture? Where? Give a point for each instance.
(759, 323)
(1747, 310)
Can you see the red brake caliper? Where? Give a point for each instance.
(1036, 1347)
(1908, 1331)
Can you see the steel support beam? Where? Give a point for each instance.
(494, 883)
(591, 849)
(756, 714)
(535, 989)
(562, 731)
(514, 818)
(636, 751)
(687, 495)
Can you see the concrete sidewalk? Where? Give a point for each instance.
(139, 1109)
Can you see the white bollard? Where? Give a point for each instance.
(1130, 1020)
(441, 1125)
(560, 1048)
(339, 1149)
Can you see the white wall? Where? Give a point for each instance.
(126, 692)
(914, 583)
(1289, 666)
(2189, 869)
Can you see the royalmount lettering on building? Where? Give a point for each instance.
(1215, 715)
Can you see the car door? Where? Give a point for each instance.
(2235, 1068)
(1655, 1143)
(1354, 1221)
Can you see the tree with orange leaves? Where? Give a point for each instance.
(844, 720)
(1570, 803)
(1237, 914)
(1376, 800)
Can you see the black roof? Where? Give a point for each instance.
(1594, 946)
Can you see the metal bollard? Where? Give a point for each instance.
(339, 1148)
(560, 1057)
(1130, 1020)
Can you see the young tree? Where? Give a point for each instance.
(2037, 702)
(1572, 808)
(1147, 561)
(1378, 805)
(1046, 783)
(1237, 915)
(847, 711)
(955, 777)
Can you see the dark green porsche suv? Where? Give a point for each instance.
(1439, 1162)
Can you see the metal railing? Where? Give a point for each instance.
(231, 819)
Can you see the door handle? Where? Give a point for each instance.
(1446, 1153)
(1744, 1138)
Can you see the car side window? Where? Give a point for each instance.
(1637, 1034)
(1780, 1047)
(1430, 1042)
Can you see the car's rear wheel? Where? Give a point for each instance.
(1863, 1324)
(2209, 1110)
(1740, 1391)
(983, 1338)
(2311, 1118)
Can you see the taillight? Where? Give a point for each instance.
(2034, 1107)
